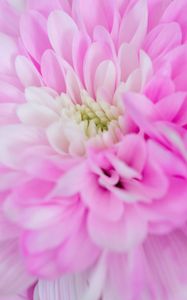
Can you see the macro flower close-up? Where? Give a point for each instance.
(93, 149)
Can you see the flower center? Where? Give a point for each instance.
(92, 117)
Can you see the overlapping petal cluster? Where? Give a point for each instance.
(93, 149)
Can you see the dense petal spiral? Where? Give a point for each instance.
(93, 149)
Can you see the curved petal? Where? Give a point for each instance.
(100, 200)
(102, 13)
(95, 54)
(8, 50)
(159, 87)
(132, 150)
(8, 113)
(34, 34)
(128, 60)
(61, 31)
(26, 72)
(43, 6)
(71, 259)
(136, 21)
(42, 96)
(120, 235)
(52, 72)
(169, 107)
(38, 238)
(9, 14)
(105, 81)
(17, 139)
(162, 39)
(36, 115)
(141, 110)
(14, 276)
(73, 85)
(9, 92)
(79, 48)
(176, 11)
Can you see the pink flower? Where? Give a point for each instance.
(93, 149)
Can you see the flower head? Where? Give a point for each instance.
(93, 145)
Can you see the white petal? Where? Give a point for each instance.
(36, 115)
(70, 287)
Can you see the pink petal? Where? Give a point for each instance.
(100, 200)
(61, 226)
(79, 48)
(180, 82)
(9, 92)
(105, 81)
(43, 6)
(52, 72)
(75, 176)
(169, 107)
(34, 34)
(146, 68)
(135, 151)
(102, 35)
(61, 31)
(14, 276)
(136, 22)
(8, 50)
(39, 217)
(176, 11)
(128, 60)
(159, 87)
(17, 139)
(165, 159)
(133, 82)
(73, 85)
(8, 13)
(102, 13)
(71, 259)
(108, 235)
(124, 170)
(165, 265)
(172, 205)
(177, 59)
(140, 108)
(26, 72)
(181, 117)
(41, 163)
(96, 53)
(8, 113)
(8, 230)
(156, 10)
(42, 264)
(162, 39)
(154, 183)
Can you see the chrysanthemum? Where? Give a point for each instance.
(93, 149)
